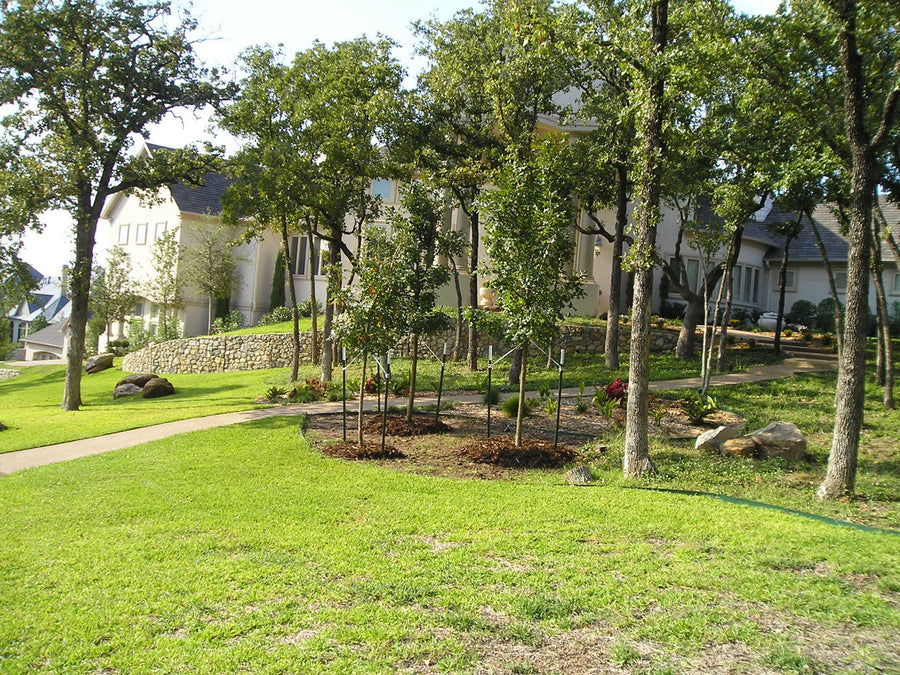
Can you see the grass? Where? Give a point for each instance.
(29, 404)
(241, 550)
(305, 324)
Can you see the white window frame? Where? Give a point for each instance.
(895, 285)
(140, 234)
(745, 294)
(159, 231)
(790, 282)
(124, 234)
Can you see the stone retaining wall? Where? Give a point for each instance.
(229, 353)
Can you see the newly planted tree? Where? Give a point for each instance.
(82, 78)
(210, 264)
(112, 290)
(165, 286)
(529, 242)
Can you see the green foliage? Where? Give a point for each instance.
(112, 290)
(226, 324)
(278, 314)
(209, 264)
(825, 316)
(492, 396)
(304, 308)
(528, 239)
(40, 323)
(164, 286)
(697, 407)
(803, 313)
(276, 297)
(510, 406)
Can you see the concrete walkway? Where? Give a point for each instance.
(50, 454)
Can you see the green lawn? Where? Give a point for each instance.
(241, 550)
(29, 404)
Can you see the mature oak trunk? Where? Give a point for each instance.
(637, 450)
(80, 285)
(840, 479)
(615, 279)
(686, 346)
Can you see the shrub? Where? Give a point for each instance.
(510, 406)
(787, 332)
(617, 391)
(803, 313)
(493, 396)
(277, 315)
(304, 308)
(671, 310)
(225, 324)
(697, 407)
(825, 316)
(316, 385)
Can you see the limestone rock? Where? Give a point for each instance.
(139, 379)
(712, 439)
(157, 387)
(781, 439)
(744, 446)
(100, 362)
(580, 475)
(3, 427)
(126, 389)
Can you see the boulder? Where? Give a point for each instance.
(781, 439)
(97, 363)
(740, 447)
(712, 439)
(126, 389)
(157, 388)
(139, 379)
(580, 475)
(3, 427)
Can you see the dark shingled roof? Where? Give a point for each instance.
(805, 248)
(51, 336)
(203, 200)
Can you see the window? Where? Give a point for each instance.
(140, 234)
(123, 234)
(159, 231)
(790, 280)
(300, 254)
(895, 287)
(745, 284)
(384, 188)
(139, 309)
(840, 281)
(693, 273)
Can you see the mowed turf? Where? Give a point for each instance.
(243, 550)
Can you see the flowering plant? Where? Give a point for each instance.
(617, 391)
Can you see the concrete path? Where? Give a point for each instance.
(49, 454)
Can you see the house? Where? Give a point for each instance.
(48, 301)
(48, 343)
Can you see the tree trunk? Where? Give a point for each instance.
(334, 286)
(726, 318)
(472, 347)
(515, 367)
(210, 304)
(80, 288)
(687, 336)
(290, 266)
(313, 300)
(414, 349)
(885, 348)
(362, 395)
(832, 287)
(615, 279)
(840, 479)
(782, 282)
(457, 338)
(636, 460)
(520, 414)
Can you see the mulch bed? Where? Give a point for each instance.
(352, 450)
(530, 455)
(397, 425)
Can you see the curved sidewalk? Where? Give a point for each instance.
(50, 454)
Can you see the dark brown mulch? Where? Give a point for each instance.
(352, 450)
(531, 455)
(398, 426)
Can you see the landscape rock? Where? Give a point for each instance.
(157, 388)
(139, 379)
(580, 475)
(740, 447)
(3, 427)
(97, 363)
(781, 439)
(712, 439)
(126, 389)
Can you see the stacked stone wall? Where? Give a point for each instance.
(230, 353)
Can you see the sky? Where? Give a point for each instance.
(226, 27)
